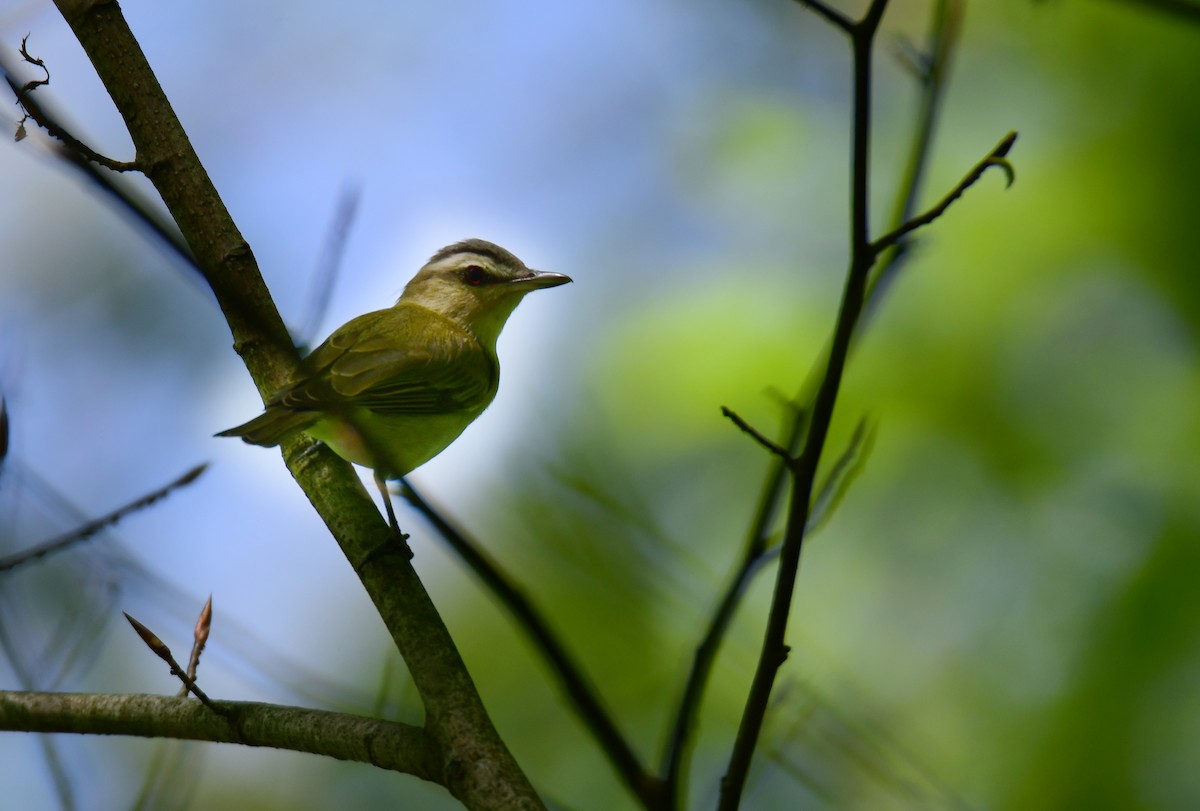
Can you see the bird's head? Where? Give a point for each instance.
(476, 284)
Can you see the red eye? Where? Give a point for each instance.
(474, 275)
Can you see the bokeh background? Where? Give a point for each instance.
(1005, 610)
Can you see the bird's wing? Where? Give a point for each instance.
(442, 368)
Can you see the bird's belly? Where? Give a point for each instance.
(396, 444)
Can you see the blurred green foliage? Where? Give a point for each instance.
(1002, 614)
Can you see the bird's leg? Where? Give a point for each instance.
(386, 546)
(381, 483)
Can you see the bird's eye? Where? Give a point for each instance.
(474, 275)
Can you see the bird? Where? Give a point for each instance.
(391, 389)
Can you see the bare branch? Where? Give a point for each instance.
(3, 430)
(386, 744)
(831, 15)
(56, 130)
(130, 200)
(758, 437)
(934, 73)
(92, 527)
(328, 265)
(997, 157)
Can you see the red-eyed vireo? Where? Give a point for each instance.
(391, 389)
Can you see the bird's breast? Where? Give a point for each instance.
(396, 444)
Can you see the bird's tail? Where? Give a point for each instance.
(273, 426)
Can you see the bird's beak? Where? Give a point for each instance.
(538, 279)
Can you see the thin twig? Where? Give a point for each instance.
(997, 157)
(758, 437)
(141, 211)
(3, 431)
(754, 555)
(92, 527)
(24, 94)
(199, 640)
(160, 649)
(934, 76)
(329, 264)
(830, 14)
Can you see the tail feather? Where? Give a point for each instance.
(273, 426)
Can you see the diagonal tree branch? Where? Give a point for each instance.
(583, 695)
(475, 764)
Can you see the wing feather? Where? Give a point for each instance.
(364, 364)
